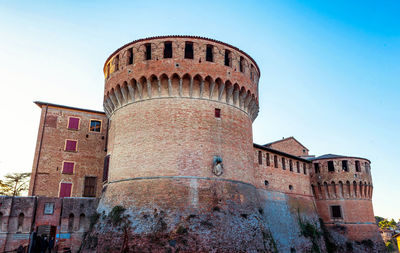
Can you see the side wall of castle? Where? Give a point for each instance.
(64, 219)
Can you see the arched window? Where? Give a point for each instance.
(82, 222)
(71, 222)
(361, 189)
(348, 188)
(20, 225)
(259, 157)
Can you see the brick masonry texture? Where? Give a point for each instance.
(89, 157)
(164, 139)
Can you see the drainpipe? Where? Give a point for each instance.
(40, 149)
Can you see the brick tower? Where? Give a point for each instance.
(180, 145)
(342, 187)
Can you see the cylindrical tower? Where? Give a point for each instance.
(180, 142)
(342, 186)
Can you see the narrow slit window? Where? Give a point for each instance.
(290, 165)
(283, 163)
(130, 56)
(275, 161)
(259, 157)
(304, 169)
(316, 167)
(148, 52)
(168, 49)
(268, 161)
(188, 50)
(116, 63)
(227, 57)
(209, 53)
(241, 63)
(298, 166)
(345, 166)
(358, 168)
(217, 113)
(331, 167)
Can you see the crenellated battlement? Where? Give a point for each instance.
(340, 177)
(181, 67)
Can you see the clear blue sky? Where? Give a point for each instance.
(330, 71)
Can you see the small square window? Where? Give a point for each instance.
(73, 123)
(336, 212)
(68, 167)
(217, 113)
(70, 145)
(95, 126)
(48, 208)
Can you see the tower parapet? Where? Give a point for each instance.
(342, 186)
(181, 67)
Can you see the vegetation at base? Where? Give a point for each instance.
(268, 237)
(389, 246)
(329, 244)
(93, 220)
(116, 215)
(310, 231)
(14, 184)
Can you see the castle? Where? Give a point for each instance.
(170, 165)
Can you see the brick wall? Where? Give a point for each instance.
(88, 159)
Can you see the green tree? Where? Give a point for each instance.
(14, 184)
(378, 219)
(386, 224)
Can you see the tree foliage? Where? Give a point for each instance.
(387, 224)
(14, 184)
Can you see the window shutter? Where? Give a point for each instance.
(65, 190)
(70, 145)
(68, 168)
(73, 123)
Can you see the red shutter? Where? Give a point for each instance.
(73, 123)
(65, 190)
(70, 145)
(68, 168)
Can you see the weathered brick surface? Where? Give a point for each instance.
(289, 145)
(352, 191)
(163, 139)
(89, 158)
(280, 179)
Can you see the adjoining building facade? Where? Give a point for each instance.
(171, 165)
